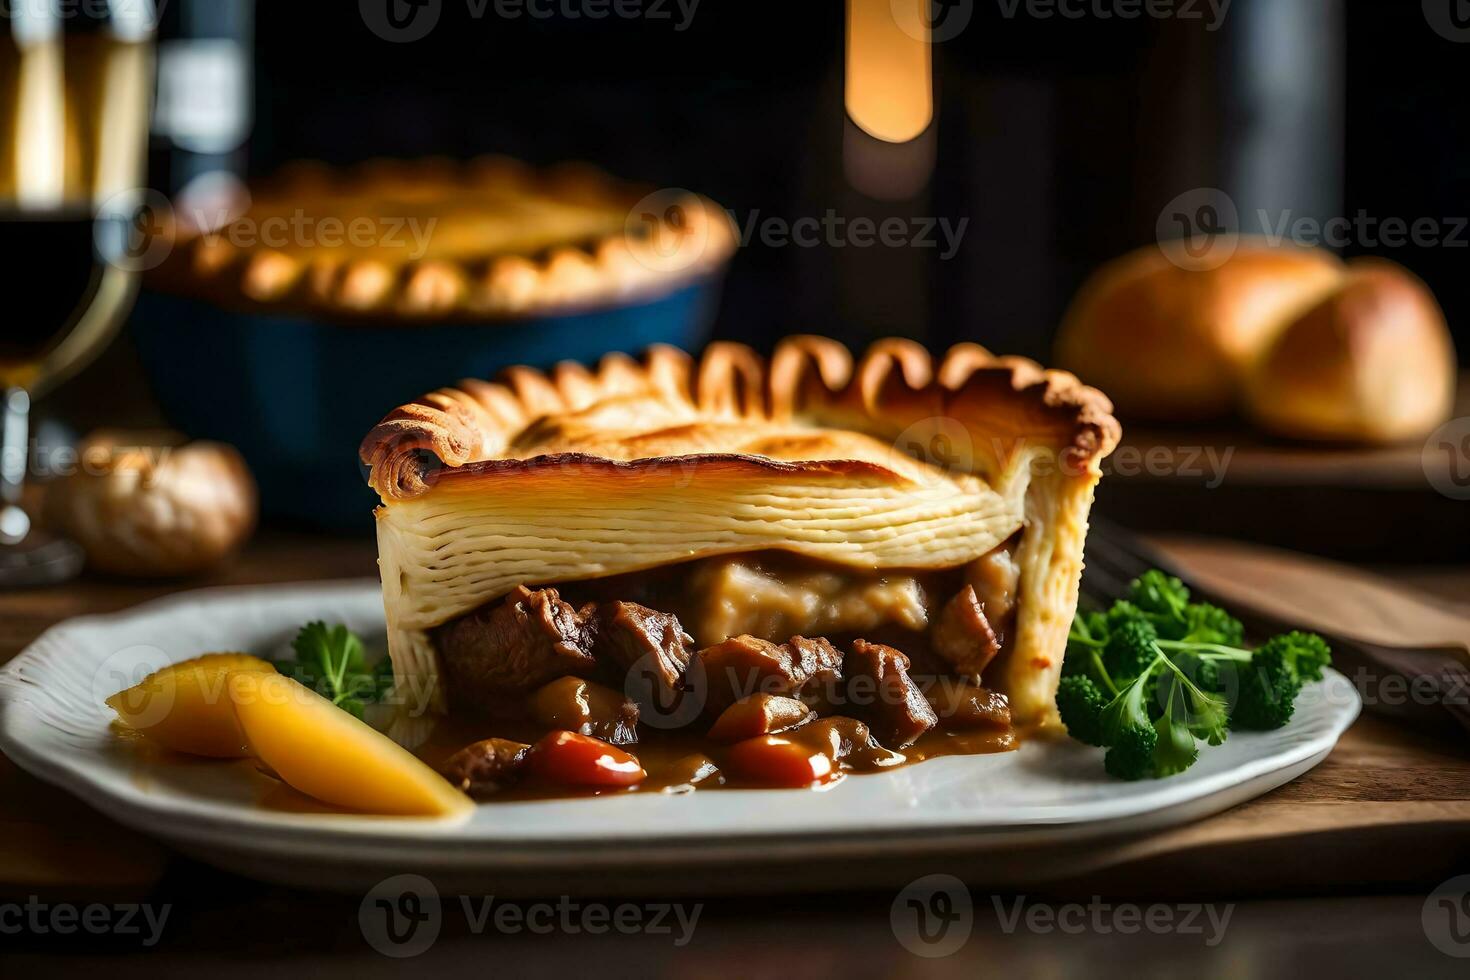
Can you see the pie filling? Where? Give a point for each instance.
(754, 669)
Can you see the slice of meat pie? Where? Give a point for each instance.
(574, 520)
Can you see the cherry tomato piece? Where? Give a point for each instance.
(775, 761)
(580, 760)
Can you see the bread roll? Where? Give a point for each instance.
(1169, 340)
(147, 504)
(1372, 362)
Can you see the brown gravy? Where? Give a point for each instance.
(663, 753)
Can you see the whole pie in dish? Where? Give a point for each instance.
(763, 537)
(440, 240)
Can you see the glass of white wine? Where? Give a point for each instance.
(76, 87)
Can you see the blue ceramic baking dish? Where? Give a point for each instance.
(296, 394)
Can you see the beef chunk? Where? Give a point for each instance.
(739, 667)
(809, 669)
(638, 638)
(486, 767)
(819, 665)
(963, 705)
(880, 691)
(514, 647)
(962, 634)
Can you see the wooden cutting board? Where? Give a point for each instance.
(1237, 455)
(1387, 807)
(1292, 494)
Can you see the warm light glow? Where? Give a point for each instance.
(122, 129)
(889, 80)
(40, 137)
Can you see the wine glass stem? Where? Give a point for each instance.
(14, 431)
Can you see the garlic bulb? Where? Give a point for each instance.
(147, 505)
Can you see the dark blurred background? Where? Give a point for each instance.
(1065, 133)
(1060, 139)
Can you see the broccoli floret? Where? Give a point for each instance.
(1205, 623)
(1122, 612)
(1131, 756)
(1268, 690)
(1164, 601)
(1128, 731)
(1081, 705)
(1131, 649)
(1305, 653)
(1159, 594)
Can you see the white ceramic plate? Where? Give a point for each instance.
(955, 812)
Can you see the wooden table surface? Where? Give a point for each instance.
(1388, 811)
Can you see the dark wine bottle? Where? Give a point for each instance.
(205, 107)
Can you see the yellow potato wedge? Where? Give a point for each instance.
(326, 753)
(186, 707)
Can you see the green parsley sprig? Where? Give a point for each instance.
(330, 660)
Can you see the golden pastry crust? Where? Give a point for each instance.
(438, 240)
(720, 409)
(894, 461)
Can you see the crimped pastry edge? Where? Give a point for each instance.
(564, 278)
(896, 384)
